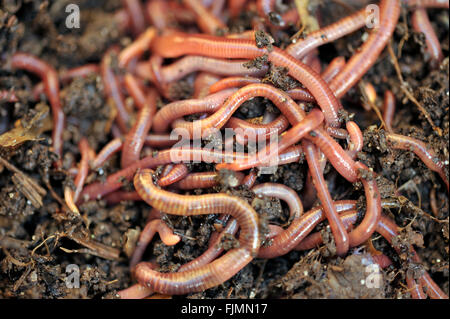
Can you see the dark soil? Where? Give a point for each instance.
(39, 241)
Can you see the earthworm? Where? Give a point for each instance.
(356, 142)
(134, 140)
(83, 170)
(328, 34)
(366, 228)
(336, 65)
(266, 8)
(282, 192)
(216, 7)
(114, 181)
(433, 202)
(120, 196)
(194, 63)
(122, 19)
(206, 20)
(427, 3)
(181, 13)
(146, 236)
(139, 291)
(160, 140)
(177, 173)
(255, 132)
(414, 288)
(204, 180)
(427, 155)
(309, 193)
(135, 89)
(79, 71)
(340, 234)
(232, 82)
(339, 158)
(177, 44)
(106, 153)
(299, 229)
(236, 7)
(156, 13)
(202, 83)
(155, 73)
(137, 47)
(66, 76)
(365, 57)
(211, 274)
(136, 12)
(250, 179)
(214, 250)
(49, 76)
(292, 136)
(312, 59)
(388, 229)
(221, 116)
(113, 89)
(8, 96)
(172, 111)
(338, 133)
(421, 23)
(388, 110)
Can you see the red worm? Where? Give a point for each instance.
(327, 34)
(211, 274)
(427, 3)
(51, 83)
(282, 192)
(373, 209)
(136, 12)
(113, 90)
(120, 196)
(312, 59)
(299, 229)
(136, 90)
(221, 116)
(340, 234)
(170, 112)
(137, 47)
(337, 132)
(106, 153)
(270, 152)
(267, 7)
(421, 23)
(389, 110)
(8, 96)
(204, 180)
(80, 71)
(236, 7)
(388, 229)
(146, 236)
(83, 170)
(134, 140)
(337, 156)
(214, 250)
(122, 19)
(428, 157)
(336, 65)
(250, 179)
(192, 63)
(202, 83)
(161, 140)
(256, 132)
(365, 57)
(115, 181)
(178, 44)
(157, 13)
(414, 288)
(177, 173)
(206, 20)
(356, 141)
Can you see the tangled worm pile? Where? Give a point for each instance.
(222, 84)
